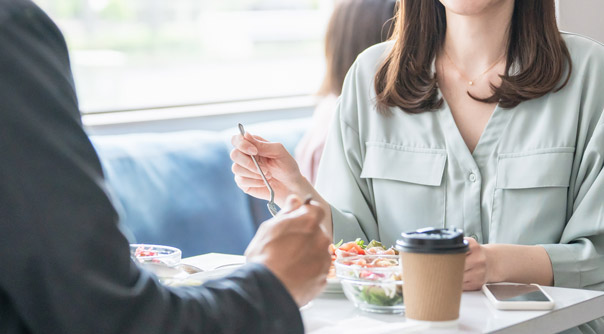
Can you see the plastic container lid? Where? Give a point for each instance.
(433, 241)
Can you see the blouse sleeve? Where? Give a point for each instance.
(578, 260)
(338, 179)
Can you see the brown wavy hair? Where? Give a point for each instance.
(405, 78)
(354, 26)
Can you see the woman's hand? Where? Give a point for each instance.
(494, 263)
(279, 167)
(476, 272)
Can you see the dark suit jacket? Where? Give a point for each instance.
(64, 265)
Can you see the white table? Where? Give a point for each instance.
(477, 315)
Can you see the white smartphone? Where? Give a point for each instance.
(511, 296)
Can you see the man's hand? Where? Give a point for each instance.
(294, 246)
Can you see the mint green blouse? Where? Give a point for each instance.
(535, 176)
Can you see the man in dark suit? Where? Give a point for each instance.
(65, 264)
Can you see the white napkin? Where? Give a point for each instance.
(364, 325)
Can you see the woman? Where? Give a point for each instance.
(354, 26)
(478, 114)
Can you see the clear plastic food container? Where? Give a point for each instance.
(373, 283)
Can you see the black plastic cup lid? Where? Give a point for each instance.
(433, 241)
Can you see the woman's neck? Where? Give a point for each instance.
(475, 42)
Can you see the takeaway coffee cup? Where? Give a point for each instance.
(433, 266)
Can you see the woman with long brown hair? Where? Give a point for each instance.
(478, 114)
(353, 26)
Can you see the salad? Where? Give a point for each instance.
(358, 247)
(155, 254)
(144, 251)
(380, 295)
(370, 275)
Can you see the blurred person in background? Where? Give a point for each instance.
(354, 26)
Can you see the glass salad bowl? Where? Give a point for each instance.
(163, 261)
(166, 255)
(373, 283)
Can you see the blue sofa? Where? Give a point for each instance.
(177, 188)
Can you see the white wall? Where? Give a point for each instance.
(585, 17)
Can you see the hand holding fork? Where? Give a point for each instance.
(267, 170)
(272, 207)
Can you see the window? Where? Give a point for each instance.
(137, 54)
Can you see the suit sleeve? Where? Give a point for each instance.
(70, 270)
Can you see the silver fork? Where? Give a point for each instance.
(272, 207)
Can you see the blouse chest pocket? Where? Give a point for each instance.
(530, 197)
(408, 186)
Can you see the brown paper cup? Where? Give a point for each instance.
(433, 285)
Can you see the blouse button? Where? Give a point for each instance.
(472, 177)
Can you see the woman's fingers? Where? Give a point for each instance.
(245, 161)
(256, 145)
(244, 144)
(261, 193)
(258, 138)
(270, 150)
(244, 172)
(264, 148)
(471, 286)
(472, 279)
(472, 244)
(475, 266)
(252, 187)
(246, 182)
(471, 263)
